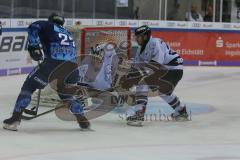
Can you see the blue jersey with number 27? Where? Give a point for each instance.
(56, 41)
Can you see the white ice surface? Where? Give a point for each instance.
(210, 136)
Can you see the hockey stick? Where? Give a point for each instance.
(41, 114)
(34, 110)
(61, 106)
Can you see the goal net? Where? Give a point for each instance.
(85, 38)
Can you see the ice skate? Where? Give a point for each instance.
(83, 122)
(181, 115)
(13, 122)
(137, 118)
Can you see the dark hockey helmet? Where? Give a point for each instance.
(55, 18)
(143, 30)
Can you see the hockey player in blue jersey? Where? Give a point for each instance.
(58, 47)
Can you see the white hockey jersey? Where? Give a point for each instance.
(158, 51)
(99, 76)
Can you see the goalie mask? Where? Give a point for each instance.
(98, 51)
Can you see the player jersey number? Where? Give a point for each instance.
(66, 40)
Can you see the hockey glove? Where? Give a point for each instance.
(35, 53)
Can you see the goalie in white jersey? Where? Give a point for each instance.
(97, 70)
(155, 50)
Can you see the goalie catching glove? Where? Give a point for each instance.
(35, 52)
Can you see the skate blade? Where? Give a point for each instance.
(135, 123)
(12, 127)
(87, 130)
(181, 119)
